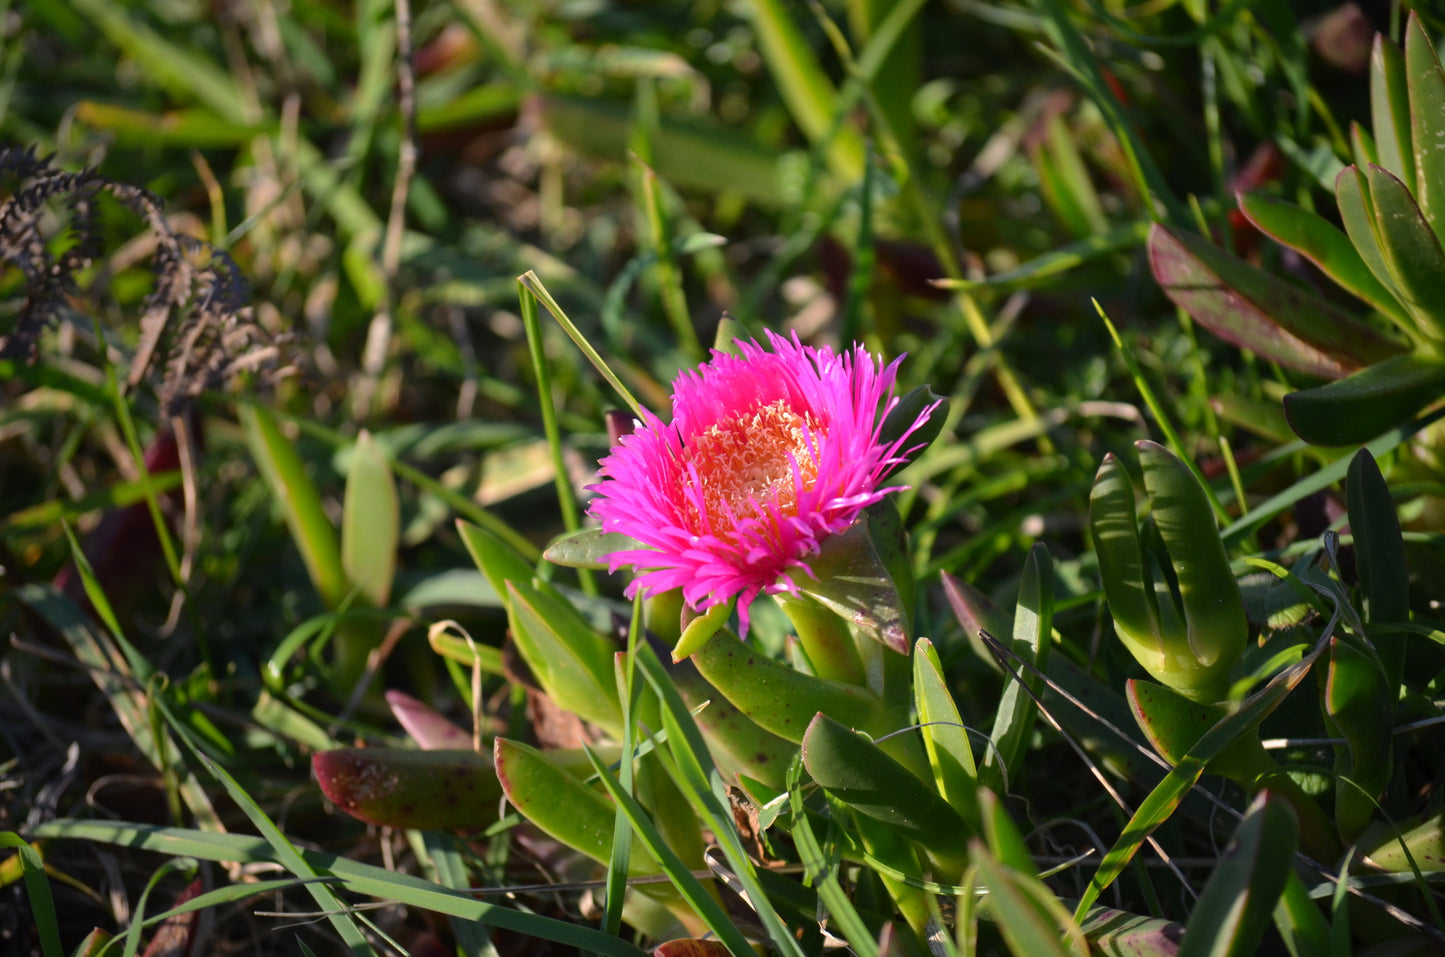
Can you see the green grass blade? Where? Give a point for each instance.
(809, 94)
(687, 885)
(285, 475)
(690, 765)
(1162, 801)
(1033, 623)
(359, 878)
(1234, 910)
(287, 855)
(533, 285)
(42, 905)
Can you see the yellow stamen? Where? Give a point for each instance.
(743, 462)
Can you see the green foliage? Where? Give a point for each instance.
(480, 240)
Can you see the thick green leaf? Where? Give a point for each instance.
(975, 614)
(285, 475)
(1161, 802)
(1004, 840)
(1356, 409)
(1189, 634)
(1380, 556)
(1298, 918)
(1427, 122)
(737, 743)
(1358, 702)
(1033, 622)
(850, 577)
(1173, 724)
(1324, 245)
(1392, 847)
(97, 941)
(1235, 908)
(857, 772)
(1247, 306)
(1357, 213)
(571, 661)
(1115, 933)
(775, 696)
(400, 787)
(561, 805)
(499, 561)
(370, 521)
(1208, 594)
(1412, 251)
(1390, 109)
(899, 860)
(588, 548)
(944, 736)
(1114, 525)
(1362, 146)
(1017, 907)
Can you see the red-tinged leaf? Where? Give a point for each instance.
(1324, 245)
(427, 727)
(688, 947)
(1251, 308)
(397, 787)
(173, 937)
(1356, 409)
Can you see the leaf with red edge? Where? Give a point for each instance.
(398, 787)
(1324, 245)
(1253, 309)
(427, 727)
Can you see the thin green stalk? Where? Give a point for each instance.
(621, 827)
(1171, 435)
(566, 496)
(153, 503)
(532, 284)
(669, 283)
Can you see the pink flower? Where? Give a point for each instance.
(767, 455)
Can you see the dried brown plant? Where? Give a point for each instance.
(195, 316)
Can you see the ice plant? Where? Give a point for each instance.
(768, 454)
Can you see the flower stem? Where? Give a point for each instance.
(826, 639)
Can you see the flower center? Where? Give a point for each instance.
(746, 462)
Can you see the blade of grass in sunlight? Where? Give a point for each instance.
(1161, 418)
(691, 767)
(1164, 799)
(566, 495)
(356, 877)
(533, 286)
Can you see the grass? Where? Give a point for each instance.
(229, 524)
